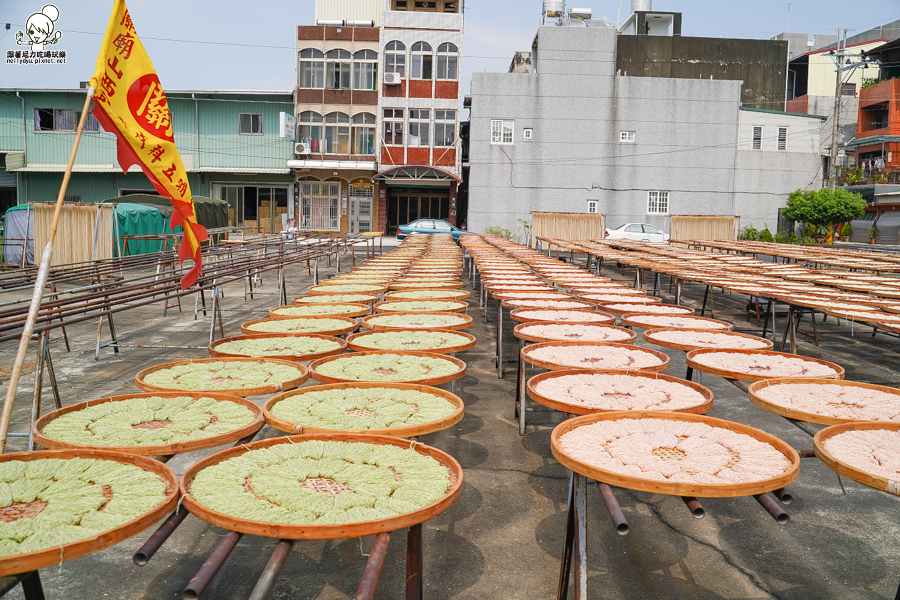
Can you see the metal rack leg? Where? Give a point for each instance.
(270, 574)
(565, 565)
(580, 542)
(212, 565)
(414, 587)
(521, 374)
(372, 571)
(31, 585)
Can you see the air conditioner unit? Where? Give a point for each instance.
(301, 148)
(392, 79)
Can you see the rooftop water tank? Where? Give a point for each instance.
(554, 8)
(641, 5)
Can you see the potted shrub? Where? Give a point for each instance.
(845, 232)
(873, 233)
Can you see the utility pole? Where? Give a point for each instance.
(838, 76)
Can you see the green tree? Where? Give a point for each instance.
(824, 208)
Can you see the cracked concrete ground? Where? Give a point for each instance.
(503, 538)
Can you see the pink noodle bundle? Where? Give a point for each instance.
(620, 392)
(710, 339)
(576, 333)
(611, 289)
(832, 400)
(654, 322)
(548, 303)
(875, 451)
(768, 365)
(674, 451)
(609, 298)
(535, 296)
(559, 316)
(595, 357)
(650, 309)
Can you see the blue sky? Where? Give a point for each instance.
(223, 44)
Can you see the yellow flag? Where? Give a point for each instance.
(130, 102)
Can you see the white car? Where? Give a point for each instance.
(638, 232)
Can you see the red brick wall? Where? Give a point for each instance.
(319, 32)
(418, 156)
(419, 88)
(446, 89)
(445, 157)
(391, 156)
(799, 105)
(395, 91)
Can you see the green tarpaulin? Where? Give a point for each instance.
(211, 213)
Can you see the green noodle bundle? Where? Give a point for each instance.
(426, 295)
(387, 367)
(348, 288)
(357, 409)
(173, 420)
(432, 305)
(298, 325)
(433, 321)
(315, 311)
(332, 298)
(278, 346)
(410, 340)
(68, 500)
(365, 482)
(222, 375)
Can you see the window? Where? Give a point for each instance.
(365, 66)
(444, 128)
(395, 58)
(311, 74)
(782, 139)
(848, 89)
(626, 137)
(364, 133)
(250, 123)
(634, 229)
(442, 226)
(592, 206)
(311, 130)
(419, 125)
(528, 134)
(502, 132)
(319, 205)
(757, 138)
(393, 126)
(337, 70)
(54, 119)
(426, 224)
(658, 203)
(90, 123)
(337, 133)
(421, 61)
(447, 61)
(651, 229)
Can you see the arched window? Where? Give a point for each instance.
(312, 69)
(447, 61)
(395, 58)
(365, 65)
(311, 131)
(337, 69)
(364, 133)
(421, 61)
(337, 133)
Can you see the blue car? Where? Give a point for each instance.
(429, 226)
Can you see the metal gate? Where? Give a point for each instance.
(361, 200)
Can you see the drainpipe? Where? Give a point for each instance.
(197, 130)
(24, 146)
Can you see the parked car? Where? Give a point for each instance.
(429, 226)
(638, 232)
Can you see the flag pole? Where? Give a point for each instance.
(40, 282)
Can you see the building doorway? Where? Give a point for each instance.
(362, 196)
(262, 207)
(408, 204)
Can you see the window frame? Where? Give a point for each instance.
(419, 58)
(627, 137)
(781, 144)
(499, 134)
(393, 126)
(251, 115)
(338, 131)
(447, 60)
(316, 67)
(314, 121)
(593, 207)
(657, 202)
(756, 141)
(338, 69)
(395, 58)
(370, 72)
(444, 123)
(420, 121)
(359, 127)
(330, 196)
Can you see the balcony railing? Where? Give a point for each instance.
(858, 176)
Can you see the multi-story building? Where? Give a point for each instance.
(378, 114)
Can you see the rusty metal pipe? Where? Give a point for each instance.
(772, 508)
(694, 506)
(784, 495)
(212, 565)
(372, 571)
(414, 586)
(146, 552)
(612, 506)
(807, 453)
(270, 574)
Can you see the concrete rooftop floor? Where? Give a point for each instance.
(503, 537)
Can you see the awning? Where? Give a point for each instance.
(417, 174)
(359, 165)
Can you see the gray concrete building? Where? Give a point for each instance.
(576, 134)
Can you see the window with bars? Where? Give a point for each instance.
(502, 131)
(757, 138)
(319, 205)
(782, 139)
(657, 203)
(393, 126)
(444, 128)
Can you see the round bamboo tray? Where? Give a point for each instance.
(322, 290)
(628, 320)
(461, 366)
(549, 304)
(677, 489)
(361, 311)
(411, 285)
(437, 295)
(622, 308)
(244, 392)
(650, 333)
(215, 353)
(159, 449)
(870, 479)
(23, 563)
(602, 299)
(367, 322)
(578, 409)
(527, 350)
(323, 532)
(405, 431)
(355, 346)
(692, 362)
(349, 326)
(458, 307)
(522, 335)
(807, 416)
(520, 315)
(891, 308)
(358, 299)
(529, 295)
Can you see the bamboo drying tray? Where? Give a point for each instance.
(244, 392)
(358, 312)
(401, 432)
(874, 481)
(812, 417)
(532, 295)
(517, 303)
(677, 489)
(439, 295)
(349, 326)
(358, 299)
(356, 347)
(215, 353)
(650, 333)
(518, 315)
(527, 350)
(691, 361)
(367, 322)
(628, 320)
(426, 381)
(323, 532)
(23, 563)
(458, 307)
(519, 332)
(578, 409)
(159, 449)
(411, 285)
(322, 289)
